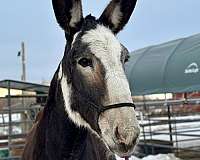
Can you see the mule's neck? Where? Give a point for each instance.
(63, 137)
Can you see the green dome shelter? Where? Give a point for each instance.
(171, 67)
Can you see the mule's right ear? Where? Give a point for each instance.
(117, 14)
(68, 14)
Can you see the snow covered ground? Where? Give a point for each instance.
(156, 157)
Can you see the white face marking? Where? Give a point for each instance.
(116, 16)
(105, 46)
(66, 92)
(76, 13)
(74, 38)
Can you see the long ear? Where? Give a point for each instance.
(117, 14)
(68, 14)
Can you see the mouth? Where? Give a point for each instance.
(122, 150)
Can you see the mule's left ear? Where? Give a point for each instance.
(117, 14)
(68, 14)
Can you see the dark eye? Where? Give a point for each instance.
(85, 62)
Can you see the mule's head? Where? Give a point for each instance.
(92, 72)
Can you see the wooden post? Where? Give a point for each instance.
(10, 120)
(23, 78)
(23, 62)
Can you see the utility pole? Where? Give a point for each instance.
(23, 78)
(21, 54)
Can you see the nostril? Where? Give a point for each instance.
(125, 136)
(117, 133)
(119, 136)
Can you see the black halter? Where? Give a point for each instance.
(100, 108)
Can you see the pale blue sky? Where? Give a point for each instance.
(153, 22)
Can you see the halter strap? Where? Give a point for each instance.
(118, 105)
(101, 108)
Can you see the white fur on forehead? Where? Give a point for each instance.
(103, 42)
(105, 46)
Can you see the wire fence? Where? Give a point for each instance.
(17, 115)
(170, 126)
(167, 126)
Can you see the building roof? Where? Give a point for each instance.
(170, 67)
(25, 86)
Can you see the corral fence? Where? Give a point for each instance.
(167, 126)
(18, 109)
(170, 126)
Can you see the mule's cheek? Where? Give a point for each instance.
(96, 76)
(93, 76)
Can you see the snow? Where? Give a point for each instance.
(155, 157)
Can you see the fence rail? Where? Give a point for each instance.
(170, 130)
(167, 130)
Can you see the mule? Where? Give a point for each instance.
(89, 114)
